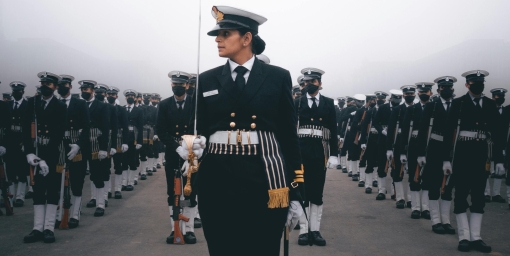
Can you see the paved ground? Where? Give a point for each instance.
(354, 223)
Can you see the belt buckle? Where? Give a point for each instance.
(239, 137)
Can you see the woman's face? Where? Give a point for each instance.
(230, 42)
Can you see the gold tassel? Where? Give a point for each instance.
(60, 168)
(77, 158)
(278, 198)
(95, 156)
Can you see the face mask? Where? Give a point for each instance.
(110, 99)
(190, 91)
(372, 104)
(146, 102)
(179, 90)
(395, 102)
(446, 93)
(46, 91)
(86, 95)
(100, 97)
(63, 91)
(18, 95)
(341, 105)
(499, 101)
(409, 99)
(380, 102)
(311, 88)
(359, 104)
(424, 97)
(476, 88)
(130, 101)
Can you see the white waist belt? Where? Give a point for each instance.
(474, 135)
(399, 131)
(436, 137)
(415, 133)
(311, 132)
(233, 137)
(373, 130)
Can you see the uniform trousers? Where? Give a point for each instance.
(371, 153)
(397, 173)
(47, 188)
(315, 178)
(234, 189)
(77, 176)
(130, 158)
(173, 163)
(412, 164)
(432, 177)
(99, 172)
(381, 156)
(17, 168)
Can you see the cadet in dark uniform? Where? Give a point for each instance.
(355, 131)
(318, 143)
(409, 152)
(359, 125)
(245, 110)
(5, 125)
(368, 140)
(506, 151)
(338, 109)
(430, 149)
(498, 95)
(345, 120)
(120, 141)
(135, 126)
(477, 118)
(381, 120)
(76, 137)
(16, 167)
(6, 96)
(159, 148)
(296, 91)
(148, 139)
(50, 116)
(96, 151)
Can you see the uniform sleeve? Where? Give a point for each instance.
(423, 129)
(5, 119)
(377, 119)
(162, 127)
(85, 120)
(392, 125)
(28, 118)
(365, 126)
(105, 127)
(450, 127)
(124, 124)
(113, 126)
(406, 126)
(59, 124)
(333, 140)
(139, 125)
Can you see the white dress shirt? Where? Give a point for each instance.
(473, 99)
(129, 107)
(19, 103)
(183, 103)
(47, 101)
(91, 100)
(444, 103)
(248, 65)
(68, 99)
(310, 101)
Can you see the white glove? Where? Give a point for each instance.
(342, 140)
(353, 113)
(23, 148)
(422, 160)
(384, 132)
(332, 162)
(363, 146)
(202, 141)
(113, 151)
(43, 168)
(500, 169)
(124, 148)
(185, 168)
(338, 136)
(403, 158)
(504, 152)
(138, 146)
(447, 168)
(74, 150)
(33, 159)
(295, 212)
(102, 154)
(389, 154)
(155, 137)
(183, 153)
(2, 151)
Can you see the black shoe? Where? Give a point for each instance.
(344, 170)
(20, 203)
(164, 163)
(73, 223)
(109, 194)
(143, 177)
(33, 237)
(401, 204)
(190, 238)
(154, 169)
(136, 182)
(349, 174)
(374, 184)
(118, 195)
(297, 227)
(91, 203)
(170, 238)
(130, 188)
(339, 167)
(487, 199)
(57, 224)
(361, 184)
(197, 223)
(480, 246)
(123, 188)
(368, 190)
(497, 199)
(303, 239)
(409, 204)
(425, 214)
(394, 198)
(105, 203)
(158, 166)
(355, 177)
(49, 236)
(29, 195)
(415, 214)
(380, 196)
(149, 173)
(438, 229)
(463, 246)
(317, 239)
(449, 229)
(99, 212)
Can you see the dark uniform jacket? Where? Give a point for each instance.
(122, 122)
(436, 110)
(135, 119)
(78, 119)
(382, 118)
(507, 138)
(272, 110)
(324, 116)
(172, 123)
(358, 120)
(100, 117)
(396, 117)
(14, 135)
(5, 122)
(114, 128)
(346, 119)
(151, 114)
(414, 114)
(338, 112)
(366, 125)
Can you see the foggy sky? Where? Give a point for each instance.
(362, 46)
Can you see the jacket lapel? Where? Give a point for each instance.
(93, 106)
(226, 82)
(255, 81)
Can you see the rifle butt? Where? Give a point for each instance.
(443, 185)
(178, 238)
(32, 182)
(417, 173)
(64, 223)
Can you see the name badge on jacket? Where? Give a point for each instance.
(210, 93)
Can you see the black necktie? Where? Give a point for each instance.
(314, 105)
(16, 105)
(180, 102)
(43, 103)
(129, 109)
(240, 81)
(477, 103)
(64, 100)
(447, 106)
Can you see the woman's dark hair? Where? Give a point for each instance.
(257, 44)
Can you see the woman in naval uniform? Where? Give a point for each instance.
(252, 170)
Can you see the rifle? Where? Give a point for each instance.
(193, 167)
(419, 171)
(446, 178)
(390, 164)
(369, 127)
(4, 186)
(33, 133)
(356, 140)
(64, 223)
(177, 216)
